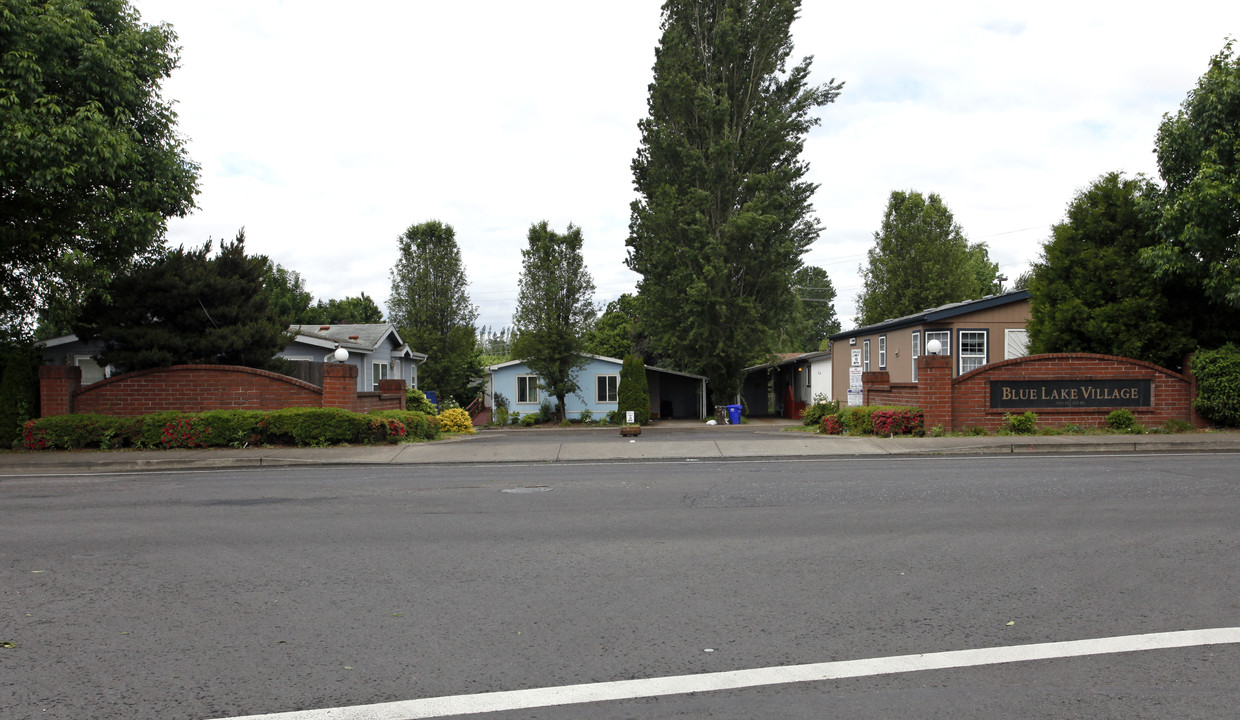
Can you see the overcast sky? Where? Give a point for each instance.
(326, 129)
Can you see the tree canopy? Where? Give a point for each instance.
(723, 215)
(91, 166)
(187, 307)
(617, 332)
(920, 260)
(1198, 153)
(430, 306)
(555, 309)
(1090, 293)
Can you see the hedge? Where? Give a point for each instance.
(1218, 385)
(224, 428)
(883, 420)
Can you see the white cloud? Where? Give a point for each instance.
(325, 131)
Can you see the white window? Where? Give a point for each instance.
(882, 352)
(945, 340)
(396, 370)
(606, 388)
(1015, 343)
(527, 389)
(916, 352)
(866, 356)
(972, 350)
(379, 371)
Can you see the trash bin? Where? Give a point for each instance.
(433, 397)
(734, 414)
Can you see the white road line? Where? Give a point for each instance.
(677, 685)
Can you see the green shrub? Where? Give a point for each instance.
(415, 401)
(529, 420)
(859, 420)
(545, 411)
(19, 392)
(69, 432)
(315, 426)
(231, 428)
(456, 420)
(1218, 385)
(1121, 420)
(1024, 424)
(634, 393)
(501, 415)
(586, 416)
(816, 412)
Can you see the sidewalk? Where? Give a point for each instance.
(667, 441)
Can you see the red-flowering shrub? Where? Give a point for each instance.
(897, 422)
(831, 425)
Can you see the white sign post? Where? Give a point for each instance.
(628, 416)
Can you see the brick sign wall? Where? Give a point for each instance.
(1063, 389)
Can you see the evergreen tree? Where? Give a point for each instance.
(1089, 293)
(723, 215)
(617, 332)
(1198, 153)
(555, 309)
(187, 308)
(430, 306)
(817, 319)
(634, 391)
(920, 260)
(91, 165)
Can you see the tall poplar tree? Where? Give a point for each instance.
(920, 260)
(723, 215)
(555, 309)
(430, 306)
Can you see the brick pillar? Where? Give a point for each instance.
(934, 390)
(58, 384)
(874, 381)
(340, 385)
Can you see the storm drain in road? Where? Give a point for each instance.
(527, 489)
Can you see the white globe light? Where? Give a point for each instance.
(341, 354)
(933, 347)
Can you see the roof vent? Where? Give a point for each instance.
(352, 337)
(324, 327)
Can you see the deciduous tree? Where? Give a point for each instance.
(90, 161)
(920, 260)
(816, 296)
(723, 214)
(430, 306)
(1198, 153)
(555, 308)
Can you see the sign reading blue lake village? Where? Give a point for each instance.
(1069, 394)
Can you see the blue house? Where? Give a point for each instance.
(672, 394)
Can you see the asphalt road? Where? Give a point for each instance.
(221, 594)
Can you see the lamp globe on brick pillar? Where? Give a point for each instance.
(340, 355)
(933, 347)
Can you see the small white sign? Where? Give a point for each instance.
(856, 358)
(628, 416)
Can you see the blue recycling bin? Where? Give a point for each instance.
(734, 414)
(433, 397)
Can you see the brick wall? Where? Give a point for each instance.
(964, 402)
(196, 388)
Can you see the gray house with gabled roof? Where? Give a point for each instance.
(375, 348)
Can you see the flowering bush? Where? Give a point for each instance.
(831, 425)
(388, 430)
(456, 420)
(897, 422)
(33, 436)
(821, 407)
(184, 432)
